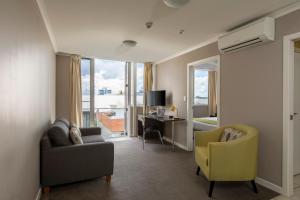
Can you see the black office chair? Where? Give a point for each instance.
(149, 129)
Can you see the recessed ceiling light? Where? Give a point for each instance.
(130, 43)
(175, 3)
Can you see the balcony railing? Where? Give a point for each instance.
(111, 120)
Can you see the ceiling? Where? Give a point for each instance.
(96, 28)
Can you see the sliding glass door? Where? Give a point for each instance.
(111, 93)
(109, 97)
(104, 96)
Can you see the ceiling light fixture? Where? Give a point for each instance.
(175, 3)
(130, 43)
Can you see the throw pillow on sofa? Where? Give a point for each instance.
(75, 135)
(230, 134)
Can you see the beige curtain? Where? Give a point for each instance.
(75, 90)
(212, 93)
(148, 82)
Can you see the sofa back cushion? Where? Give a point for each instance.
(58, 134)
(65, 121)
(230, 134)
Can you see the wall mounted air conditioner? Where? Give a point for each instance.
(257, 32)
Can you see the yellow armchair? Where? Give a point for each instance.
(234, 160)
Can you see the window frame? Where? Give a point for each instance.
(136, 83)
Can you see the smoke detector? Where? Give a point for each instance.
(130, 43)
(149, 24)
(175, 3)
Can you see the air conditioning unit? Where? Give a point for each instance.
(257, 32)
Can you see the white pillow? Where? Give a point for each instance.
(75, 135)
(230, 134)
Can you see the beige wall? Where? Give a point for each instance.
(172, 77)
(62, 86)
(251, 91)
(27, 88)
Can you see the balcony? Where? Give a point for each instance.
(111, 121)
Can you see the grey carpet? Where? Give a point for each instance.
(156, 173)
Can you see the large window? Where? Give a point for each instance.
(139, 84)
(200, 87)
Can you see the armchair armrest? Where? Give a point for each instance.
(90, 131)
(202, 138)
(66, 164)
(234, 160)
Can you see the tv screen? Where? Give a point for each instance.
(156, 98)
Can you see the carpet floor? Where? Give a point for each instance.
(156, 173)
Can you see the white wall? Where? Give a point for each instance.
(27, 90)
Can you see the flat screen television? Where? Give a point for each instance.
(156, 98)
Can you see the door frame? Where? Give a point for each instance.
(288, 113)
(190, 92)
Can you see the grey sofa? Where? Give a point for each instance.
(63, 162)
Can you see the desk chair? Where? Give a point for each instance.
(148, 129)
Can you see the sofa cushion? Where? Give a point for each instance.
(230, 134)
(75, 135)
(92, 139)
(58, 134)
(65, 121)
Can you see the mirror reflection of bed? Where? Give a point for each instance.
(205, 96)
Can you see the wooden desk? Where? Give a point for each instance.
(164, 120)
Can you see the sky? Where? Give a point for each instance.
(109, 74)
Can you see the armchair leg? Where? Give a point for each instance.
(46, 190)
(211, 188)
(108, 179)
(254, 186)
(198, 170)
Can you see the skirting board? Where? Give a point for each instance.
(176, 143)
(269, 185)
(39, 194)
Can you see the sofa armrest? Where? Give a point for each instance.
(76, 162)
(234, 160)
(90, 131)
(202, 138)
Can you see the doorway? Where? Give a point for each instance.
(296, 156)
(291, 119)
(199, 86)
